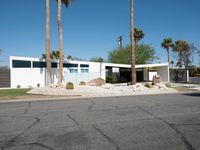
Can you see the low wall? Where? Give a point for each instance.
(194, 79)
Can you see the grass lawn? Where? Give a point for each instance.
(12, 93)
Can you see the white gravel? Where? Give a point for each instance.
(103, 91)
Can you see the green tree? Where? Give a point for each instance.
(97, 59)
(181, 47)
(138, 35)
(55, 54)
(185, 52)
(48, 61)
(66, 3)
(172, 63)
(167, 43)
(146, 54)
(133, 57)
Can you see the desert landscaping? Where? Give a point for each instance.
(99, 88)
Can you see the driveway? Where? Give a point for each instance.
(148, 122)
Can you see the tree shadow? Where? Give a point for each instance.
(196, 94)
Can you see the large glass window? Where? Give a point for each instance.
(84, 70)
(84, 65)
(39, 64)
(67, 65)
(73, 70)
(54, 65)
(21, 64)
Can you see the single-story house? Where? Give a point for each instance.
(31, 72)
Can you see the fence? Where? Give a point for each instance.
(4, 78)
(178, 75)
(194, 80)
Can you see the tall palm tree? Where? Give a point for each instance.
(48, 59)
(172, 63)
(167, 43)
(66, 3)
(133, 70)
(180, 47)
(138, 35)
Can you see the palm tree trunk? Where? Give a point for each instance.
(168, 55)
(60, 42)
(48, 61)
(133, 70)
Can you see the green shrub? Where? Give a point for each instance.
(109, 79)
(82, 83)
(69, 86)
(168, 85)
(149, 85)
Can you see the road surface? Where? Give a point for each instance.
(148, 122)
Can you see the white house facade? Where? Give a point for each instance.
(31, 72)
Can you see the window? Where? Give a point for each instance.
(66, 65)
(84, 65)
(21, 64)
(72, 70)
(39, 64)
(54, 65)
(83, 70)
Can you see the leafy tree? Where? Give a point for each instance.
(97, 59)
(146, 54)
(167, 44)
(66, 3)
(133, 57)
(138, 35)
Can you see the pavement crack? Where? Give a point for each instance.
(28, 107)
(41, 145)
(73, 119)
(107, 137)
(172, 126)
(34, 123)
(10, 142)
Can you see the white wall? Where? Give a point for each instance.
(151, 74)
(31, 77)
(26, 77)
(164, 73)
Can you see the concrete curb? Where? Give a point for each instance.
(79, 97)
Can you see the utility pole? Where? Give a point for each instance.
(120, 39)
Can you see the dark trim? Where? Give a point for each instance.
(21, 64)
(67, 65)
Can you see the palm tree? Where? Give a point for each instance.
(55, 54)
(138, 35)
(133, 70)
(180, 47)
(48, 59)
(167, 43)
(172, 63)
(66, 3)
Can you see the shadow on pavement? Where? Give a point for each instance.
(193, 94)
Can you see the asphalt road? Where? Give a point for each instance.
(156, 122)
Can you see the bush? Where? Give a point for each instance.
(69, 86)
(82, 83)
(168, 85)
(149, 85)
(109, 79)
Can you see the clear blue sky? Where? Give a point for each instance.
(91, 27)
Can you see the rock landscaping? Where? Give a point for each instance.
(98, 88)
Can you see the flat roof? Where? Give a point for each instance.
(89, 62)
